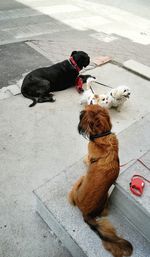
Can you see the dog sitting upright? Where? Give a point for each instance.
(38, 84)
(90, 191)
(117, 96)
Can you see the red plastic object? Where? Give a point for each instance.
(137, 185)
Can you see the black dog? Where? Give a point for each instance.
(38, 84)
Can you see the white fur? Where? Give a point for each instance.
(115, 98)
(118, 96)
(104, 101)
(88, 97)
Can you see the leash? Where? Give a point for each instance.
(92, 90)
(102, 84)
(137, 183)
(122, 165)
(79, 82)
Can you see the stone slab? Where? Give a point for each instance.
(5, 95)
(140, 169)
(14, 89)
(134, 142)
(136, 209)
(137, 67)
(100, 60)
(129, 205)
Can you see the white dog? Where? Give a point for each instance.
(115, 98)
(88, 96)
(118, 96)
(104, 101)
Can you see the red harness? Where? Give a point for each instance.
(78, 82)
(79, 85)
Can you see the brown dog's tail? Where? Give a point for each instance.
(118, 246)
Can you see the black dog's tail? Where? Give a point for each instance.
(118, 246)
(30, 97)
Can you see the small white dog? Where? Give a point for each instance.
(88, 96)
(104, 101)
(115, 98)
(118, 96)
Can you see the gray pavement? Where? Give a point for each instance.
(16, 59)
(36, 144)
(55, 30)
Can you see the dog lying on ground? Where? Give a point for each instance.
(90, 192)
(38, 84)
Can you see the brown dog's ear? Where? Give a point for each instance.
(74, 52)
(81, 129)
(86, 123)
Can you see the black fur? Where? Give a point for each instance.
(38, 84)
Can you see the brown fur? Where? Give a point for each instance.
(90, 192)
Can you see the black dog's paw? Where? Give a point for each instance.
(85, 77)
(51, 94)
(46, 99)
(40, 100)
(80, 91)
(51, 97)
(52, 100)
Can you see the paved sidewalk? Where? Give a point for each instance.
(37, 143)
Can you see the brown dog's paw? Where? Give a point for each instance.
(70, 198)
(86, 160)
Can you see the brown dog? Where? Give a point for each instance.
(90, 192)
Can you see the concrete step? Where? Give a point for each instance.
(134, 141)
(67, 223)
(136, 209)
(138, 68)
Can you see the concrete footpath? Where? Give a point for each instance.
(37, 143)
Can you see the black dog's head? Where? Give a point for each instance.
(81, 58)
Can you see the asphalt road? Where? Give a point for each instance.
(98, 27)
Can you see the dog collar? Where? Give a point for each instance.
(92, 137)
(74, 63)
